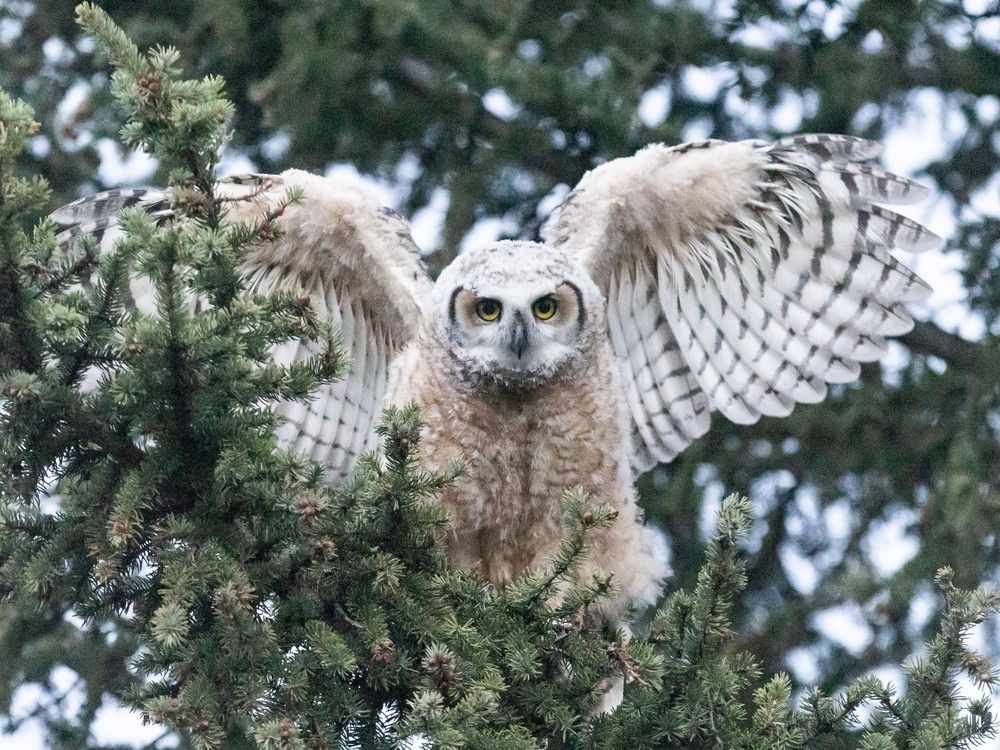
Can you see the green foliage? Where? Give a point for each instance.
(143, 491)
(711, 696)
(408, 91)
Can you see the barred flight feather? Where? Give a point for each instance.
(772, 270)
(367, 255)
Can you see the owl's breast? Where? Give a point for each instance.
(522, 451)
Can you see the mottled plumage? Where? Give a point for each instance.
(712, 276)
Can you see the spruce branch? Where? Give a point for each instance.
(181, 121)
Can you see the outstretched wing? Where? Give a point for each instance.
(352, 257)
(742, 277)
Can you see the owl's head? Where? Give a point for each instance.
(516, 313)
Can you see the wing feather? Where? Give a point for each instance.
(632, 342)
(771, 268)
(729, 383)
(354, 259)
(770, 363)
(649, 443)
(355, 429)
(661, 376)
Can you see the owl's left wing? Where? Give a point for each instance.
(742, 277)
(353, 258)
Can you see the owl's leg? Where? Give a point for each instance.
(635, 556)
(612, 689)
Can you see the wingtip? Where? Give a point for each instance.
(933, 241)
(917, 192)
(832, 145)
(919, 291)
(66, 214)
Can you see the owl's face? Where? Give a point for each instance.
(516, 313)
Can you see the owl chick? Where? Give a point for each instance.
(713, 276)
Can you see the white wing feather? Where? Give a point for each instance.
(354, 259)
(742, 277)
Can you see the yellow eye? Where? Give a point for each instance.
(545, 307)
(488, 309)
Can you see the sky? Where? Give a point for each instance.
(925, 134)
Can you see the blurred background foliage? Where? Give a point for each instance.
(478, 116)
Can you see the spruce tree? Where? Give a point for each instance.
(478, 108)
(143, 494)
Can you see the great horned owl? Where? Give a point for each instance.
(712, 276)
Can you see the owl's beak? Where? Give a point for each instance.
(518, 342)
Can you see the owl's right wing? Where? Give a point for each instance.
(354, 259)
(742, 277)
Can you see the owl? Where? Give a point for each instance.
(738, 278)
